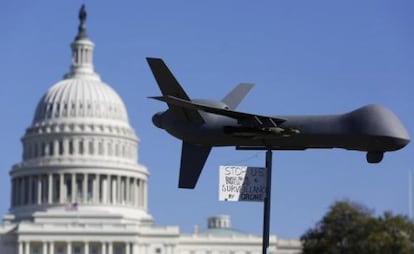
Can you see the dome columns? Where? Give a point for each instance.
(78, 189)
(67, 246)
(82, 58)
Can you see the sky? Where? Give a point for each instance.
(304, 57)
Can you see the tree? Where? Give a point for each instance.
(349, 227)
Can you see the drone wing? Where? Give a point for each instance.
(242, 117)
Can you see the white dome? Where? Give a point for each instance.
(80, 151)
(80, 98)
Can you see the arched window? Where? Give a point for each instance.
(36, 150)
(61, 147)
(51, 148)
(29, 151)
(123, 151)
(43, 149)
(81, 146)
(116, 149)
(110, 148)
(100, 148)
(70, 146)
(91, 147)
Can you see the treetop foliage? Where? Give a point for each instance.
(349, 227)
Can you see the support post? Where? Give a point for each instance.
(267, 200)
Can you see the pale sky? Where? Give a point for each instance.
(305, 57)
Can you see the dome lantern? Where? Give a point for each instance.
(82, 52)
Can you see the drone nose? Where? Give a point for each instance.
(157, 120)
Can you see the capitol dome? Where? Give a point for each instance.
(80, 152)
(80, 98)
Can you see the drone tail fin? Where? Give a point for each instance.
(169, 86)
(235, 96)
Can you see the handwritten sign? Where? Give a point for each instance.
(242, 183)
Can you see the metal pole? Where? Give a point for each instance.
(266, 213)
(410, 198)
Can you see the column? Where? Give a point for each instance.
(30, 192)
(66, 141)
(39, 189)
(27, 247)
(103, 248)
(86, 141)
(75, 143)
(62, 193)
(131, 191)
(110, 248)
(111, 190)
(135, 248)
(96, 189)
(139, 187)
(127, 251)
(119, 190)
(144, 194)
(44, 186)
(167, 248)
(57, 188)
(51, 248)
(128, 188)
(69, 248)
(44, 248)
(17, 194)
(73, 185)
(85, 188)
(23, 190)
(144, 249)
(49, 188)
(86, 250)
(56, 147)
(136, 190)
(104, 189)
(13, 193)
(20, 247)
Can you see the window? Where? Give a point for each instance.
(81, 147)
(36, 250)
(69, 187)
(60, 250)
(51, 148)
(61, 149)
(100, 148)
(91, 148)
(116, 149)
(43, 149)
(110, 149)
(36, 150)
(70, 147)
(118, 250)
(77, 250)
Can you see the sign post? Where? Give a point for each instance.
(266, 213)
(242, 183)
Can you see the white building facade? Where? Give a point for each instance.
(79, 188)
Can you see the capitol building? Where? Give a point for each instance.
(80, 189)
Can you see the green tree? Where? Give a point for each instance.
(349, 227)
